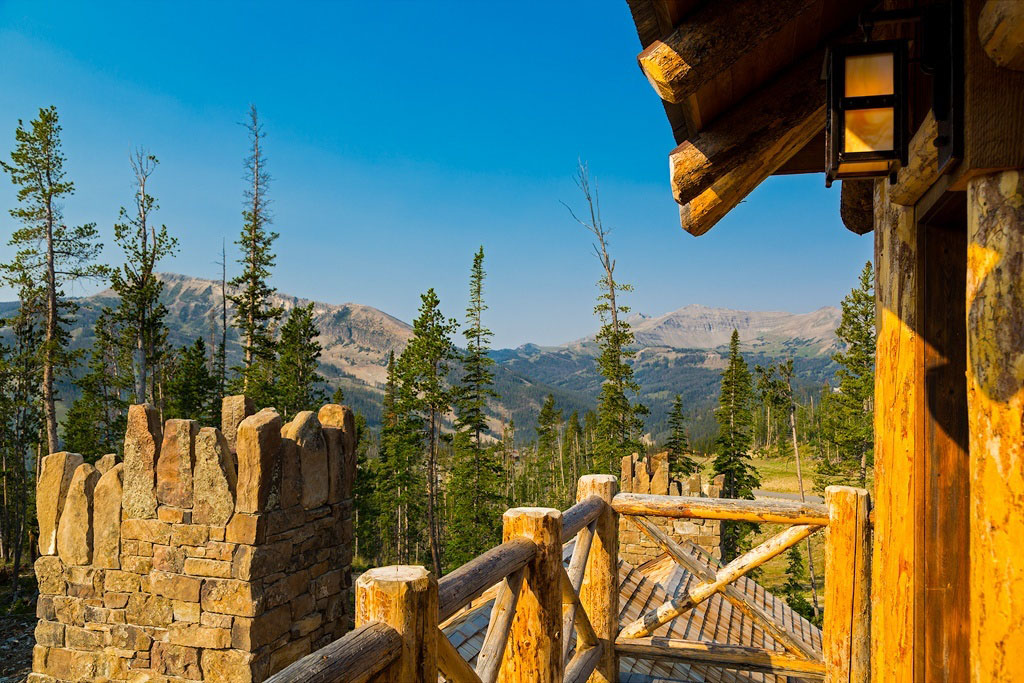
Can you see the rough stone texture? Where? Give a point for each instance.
(74, 533)
(306, 433)
(215, 479)
(141, 448)
(176, 462)
(107, 519)
(106, 463)
(54, 479)
(233, 410)
(651, 475)
(259, 441)
(203, 592)
(339, 425)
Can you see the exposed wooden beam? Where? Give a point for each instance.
(717, 168)
(722, 655)
(810, 158)
(856, 205)
(771, 511)
(1001, 30)
(716, 36)
(914, 179)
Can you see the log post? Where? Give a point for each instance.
(404, 598)
(599, 592)
(845, 637)
(995, 414)
(534, 649)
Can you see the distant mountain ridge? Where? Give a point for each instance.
(678, 352)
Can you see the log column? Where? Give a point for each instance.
(534, 650)
(599, 592)
(404, 598)
(845, 636)
(995, 400)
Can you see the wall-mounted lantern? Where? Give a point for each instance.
(865, 133)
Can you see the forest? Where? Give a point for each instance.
(436, 475)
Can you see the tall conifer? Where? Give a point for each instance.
(680, 463)
(298, 385)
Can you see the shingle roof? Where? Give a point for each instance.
(645, 587)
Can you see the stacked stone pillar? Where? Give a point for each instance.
(207, 555)
(651, 475)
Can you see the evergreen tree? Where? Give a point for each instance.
(733, 445)
(549, 486)
(95, 423)
(49, 254)
(299, 386)
(575, 445)
(849, 411)
(476, 477)
(680, 463)
(793, 588)
(192, 388)
(619, 421)
(255, 317)
(423, 368)
(139, 311)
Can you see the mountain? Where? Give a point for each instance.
(679, 352)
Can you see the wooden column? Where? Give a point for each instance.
(534, 650)
(898, 382)
(599, 592)
(845, 636)
(995, 399)
(404, 598)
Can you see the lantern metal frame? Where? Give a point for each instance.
(838, 104)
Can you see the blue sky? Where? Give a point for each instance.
(402, 135)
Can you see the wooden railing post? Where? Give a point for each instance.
(404, 598)
(534, 650)
(599, 592)
(846, 633)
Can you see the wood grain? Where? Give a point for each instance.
(467, 582)
(847, 629)
(727, 656)
(772, 511)
(354, 658)
(488, 661)
(599, 590)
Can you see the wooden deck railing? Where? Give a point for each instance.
(539, 602)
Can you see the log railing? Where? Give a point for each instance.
(539, 602)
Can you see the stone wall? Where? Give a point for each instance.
(208, 554)
(651, 475)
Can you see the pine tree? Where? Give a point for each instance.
(793, 588)
(139, 311)
(423, 368)
(619, 421)
(680, 464)
(94, 424)
(49, 254)
(192, 388)
(255, 317)
(733, 445)
(299, 386)
(476, 477)
(545, 476)
(849, 411)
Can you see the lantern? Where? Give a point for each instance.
(865, 130)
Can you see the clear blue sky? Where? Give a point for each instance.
(401, 135)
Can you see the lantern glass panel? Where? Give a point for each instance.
(850, 168)
(868, 130)
(868, 75)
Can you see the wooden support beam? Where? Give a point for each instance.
(995, 412)
(580, 515)
(847, 630)
(454, 668)
(771, 511)
(534, 649)
(717, 168)
(914, 179)
(404, 598)
(719, 654)
(705, 572)
(649, 622)
(488, 661)
(599, 591)
(354, 658)
(899, 406)
(577, 565)
(856, 205)
(583, 664)
(585, 636)
(1001, 31)
(467, 582)
(703, 47)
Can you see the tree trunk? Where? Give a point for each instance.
(800, 482)
(435, 549)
